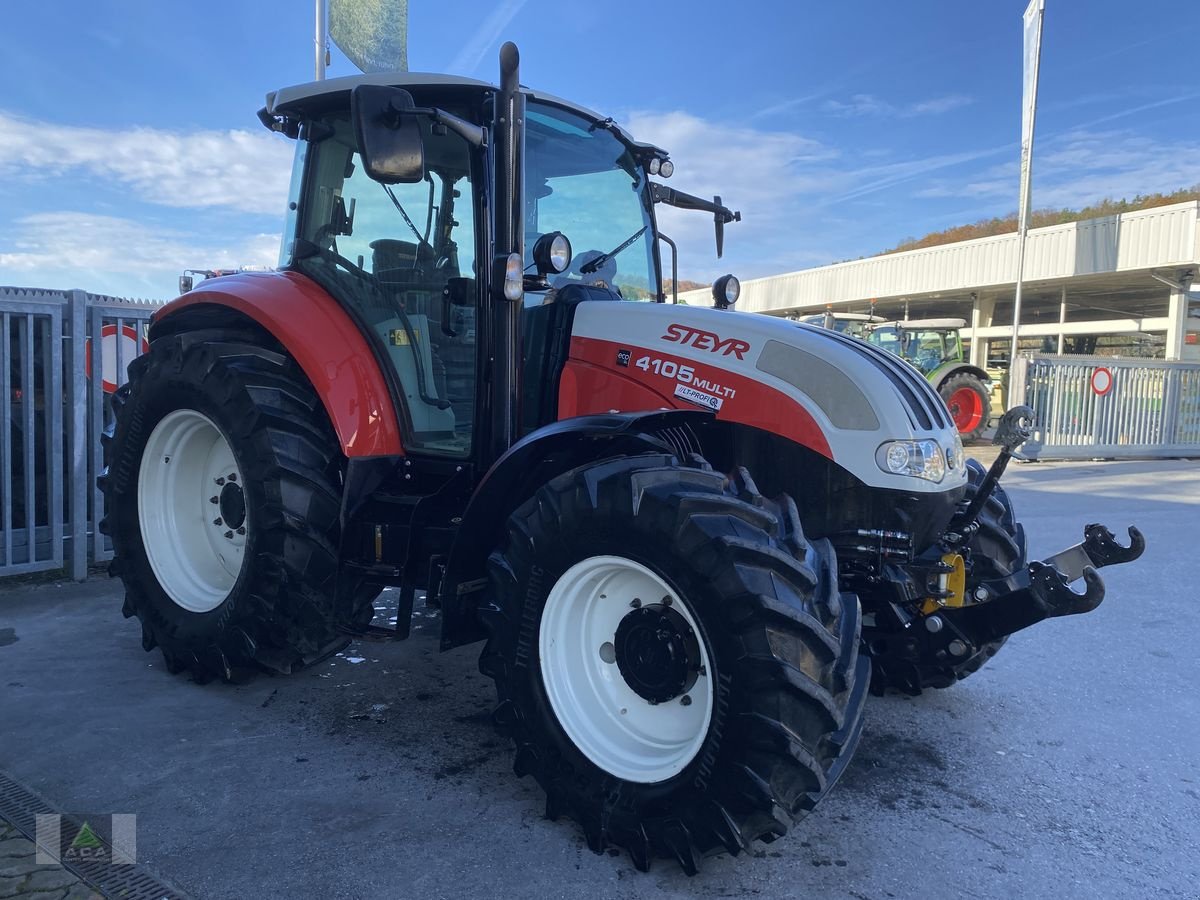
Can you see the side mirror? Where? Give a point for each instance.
(185, 284)
(389, 138)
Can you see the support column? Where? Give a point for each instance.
(1177, 310)
(1062, 318)
(982, 310)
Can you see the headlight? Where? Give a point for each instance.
(726, 291)
(922, 459)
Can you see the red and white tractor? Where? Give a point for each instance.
(692, 539)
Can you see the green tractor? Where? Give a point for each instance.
(935, 348)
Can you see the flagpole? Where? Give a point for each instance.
(320, 40)
(1033, 33)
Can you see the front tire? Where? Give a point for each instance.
(672, 658)
(223, 494)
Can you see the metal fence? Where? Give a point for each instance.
(1091, 407)
(63, 354)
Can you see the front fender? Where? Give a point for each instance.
(528, 464)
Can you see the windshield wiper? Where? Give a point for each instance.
(593, 264)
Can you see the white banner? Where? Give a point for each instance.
(1033, 53)
(372, 33)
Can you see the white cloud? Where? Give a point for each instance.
(239, 170)
(1081, 167)
(870, 105)
(118, 256)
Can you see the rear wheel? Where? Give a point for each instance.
(967, 399)
(223, 494)
(673, 660)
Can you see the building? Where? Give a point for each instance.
(1129, 274)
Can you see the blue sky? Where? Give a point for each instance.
(129, 148)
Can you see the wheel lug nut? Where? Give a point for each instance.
(218, 521)
(241, 529)
(636, 603)
(229, 534)
(666, 601)
(685, 700)
(220, 481)
(958, 648)
(233, 476)
(214, 499)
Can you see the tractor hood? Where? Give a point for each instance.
(837, 395)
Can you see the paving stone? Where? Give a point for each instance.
(49, 879)
(14, 846)
(81, 891)
(9, 887)
(17, 866)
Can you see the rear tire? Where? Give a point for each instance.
(259, 591)
(756, 635)
(969, 403)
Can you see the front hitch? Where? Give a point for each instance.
(1040, 591)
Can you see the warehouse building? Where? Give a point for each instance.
(1134, 275)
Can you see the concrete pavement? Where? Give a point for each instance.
(1066, 768)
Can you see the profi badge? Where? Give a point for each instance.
(623, 357)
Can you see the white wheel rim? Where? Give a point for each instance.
(611, 724)
(195, 554)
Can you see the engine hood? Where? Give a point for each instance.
(780, 375)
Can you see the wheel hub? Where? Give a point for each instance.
(232, 504)
(657, 653)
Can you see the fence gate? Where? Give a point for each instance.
(62, 354)
(31, 433)
(1091, 407)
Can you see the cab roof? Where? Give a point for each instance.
(300, 95)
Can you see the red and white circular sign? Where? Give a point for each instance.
(108, 355)
(1102, 381)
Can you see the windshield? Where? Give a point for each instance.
(581, 180)
(924, 349)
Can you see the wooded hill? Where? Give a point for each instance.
(1044, 217)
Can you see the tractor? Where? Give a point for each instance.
(935, 348)
(691, 540)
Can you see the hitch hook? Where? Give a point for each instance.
(1052, 588)
(1102, 548)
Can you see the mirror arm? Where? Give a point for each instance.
(474, 135)
(663, 194)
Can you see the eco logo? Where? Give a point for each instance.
(110, 839)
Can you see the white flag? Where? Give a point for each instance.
(1033, 52)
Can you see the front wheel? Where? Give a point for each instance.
(673, 659)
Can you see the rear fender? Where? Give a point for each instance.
(316, 332)
(516, 476)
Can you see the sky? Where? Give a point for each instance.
(130, 150)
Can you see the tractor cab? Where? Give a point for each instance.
(926, 343)
(399, 209)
